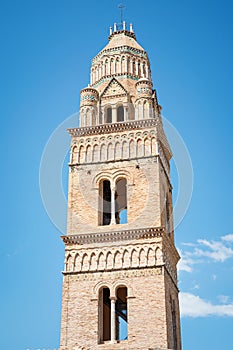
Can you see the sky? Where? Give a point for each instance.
(46, 51)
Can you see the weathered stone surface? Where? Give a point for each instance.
(140, 254)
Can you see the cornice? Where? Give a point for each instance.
(111, 128)
(124, 49)
(114, 236)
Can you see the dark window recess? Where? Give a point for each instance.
(106, 314)
(106, 203)
(109, 115)
(120, 114)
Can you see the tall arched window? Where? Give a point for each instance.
(121, 314)
(113, 208)
(120, 114)
(113, 315)
(167, 215)
(104, 315)
(121, 202)
(174, 329)
(105, 203)
(109, 115)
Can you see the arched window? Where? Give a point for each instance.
(104, 315)
(113, 209)
(121, 314)
(121, 202)
(174, 329)
(167, 215)
(109, 115)
(120, 114)
(105, 203)
(113, 315)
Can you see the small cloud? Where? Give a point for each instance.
(196, 253)
(196, 286)
(193, 306)
(227, 238)
(223, 299)
(214, 277)
(188, 244)
(217, 250)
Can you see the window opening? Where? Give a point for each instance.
(105, 314)
(106, 202)
(121, 314)
(167, 215)
(174, 325)
(109, 115)
(121, 214)
(120, 114)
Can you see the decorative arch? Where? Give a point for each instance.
(81, 154)
(85, 262)
(77, 262)
(95, 155)
(101, 261)
(93, 262)
(142, 258)
(88, 154)
(74, 154)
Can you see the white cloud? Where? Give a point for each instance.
(202, 249)
(227, 238)
(223, 299)
(193, 306)
(217, 250)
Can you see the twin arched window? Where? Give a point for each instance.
(113, 202)
(113, 318)
(120, 115)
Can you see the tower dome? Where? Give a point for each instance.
(122, 57)
(120, 85)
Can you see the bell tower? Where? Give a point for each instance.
(120, 279)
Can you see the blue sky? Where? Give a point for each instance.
(46, 50)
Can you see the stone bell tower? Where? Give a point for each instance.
(120, 279)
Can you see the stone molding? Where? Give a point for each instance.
(114, 236)
(104, 129)
(115, 275)
(114, 258)
(125, 49)
(112, 128)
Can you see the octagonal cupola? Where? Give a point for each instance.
(120, 86)
(122, 57)
(88, 106)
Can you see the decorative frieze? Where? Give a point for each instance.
(113, 127)
(114, 275)
(114, 236)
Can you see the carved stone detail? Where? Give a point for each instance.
(114, 275)
(114, 236)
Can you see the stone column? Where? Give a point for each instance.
(142, 72)
(131, 66)
(125, 113)
(113, 320)
(137, 64)
(126, 64)
(113, 219)
(147, 72)
(114, 114)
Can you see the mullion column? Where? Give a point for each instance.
(113, 319)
